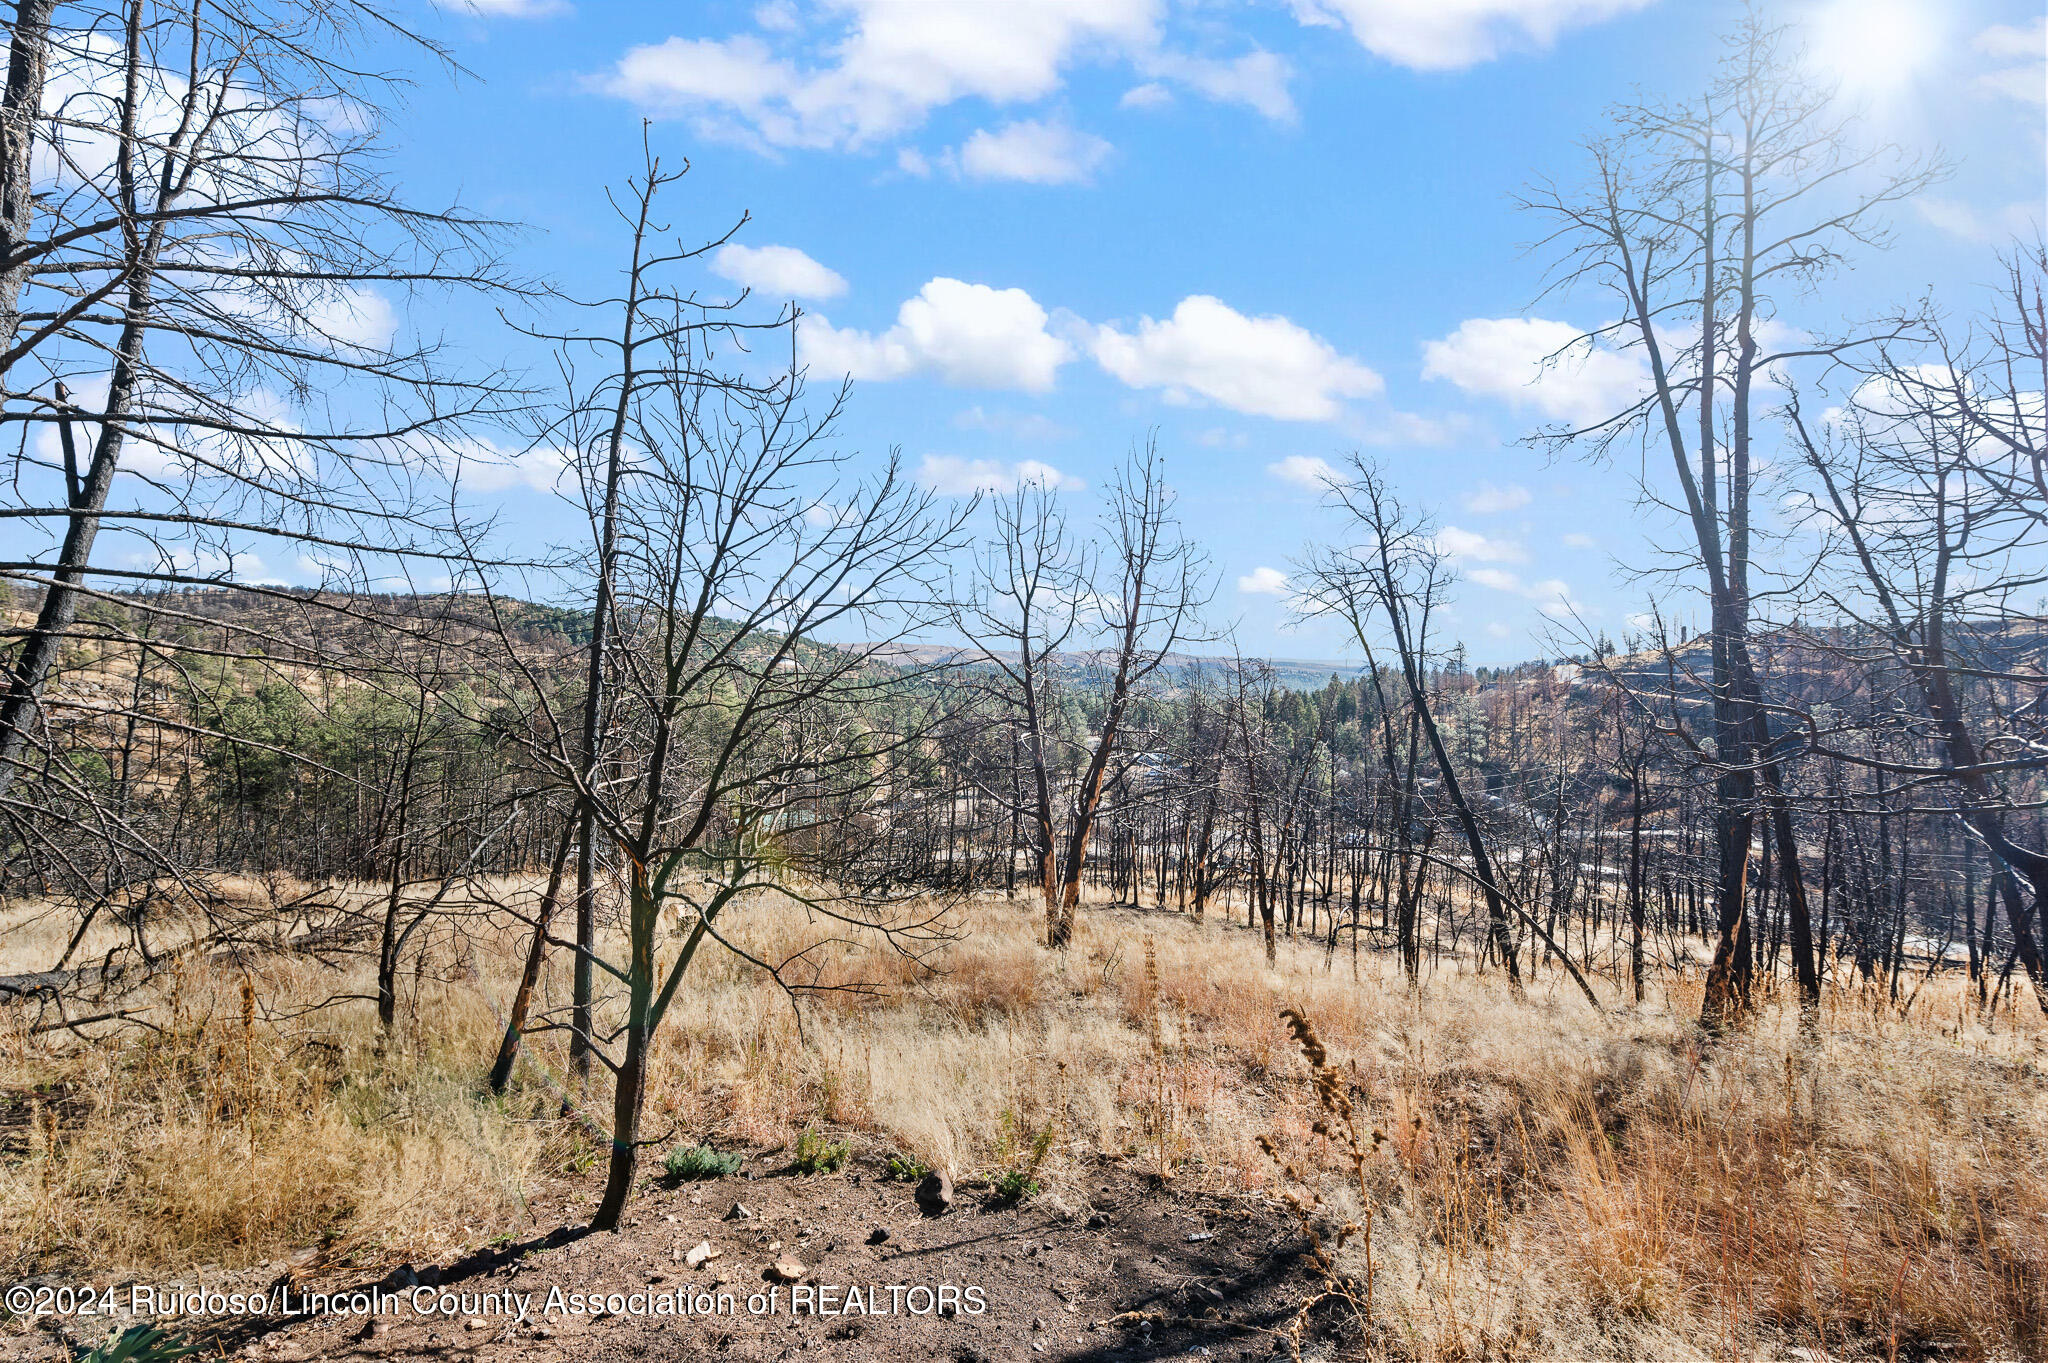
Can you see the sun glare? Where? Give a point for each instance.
(1874, 48)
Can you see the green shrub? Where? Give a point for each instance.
(817, 1155)
(701, 1161)
(1020, 1155)
(906, 1168)
(1014, 1185)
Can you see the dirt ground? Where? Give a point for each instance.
(1138, 1272)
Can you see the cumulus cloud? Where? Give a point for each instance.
(1034, 153)
(1487, 500)
(890, 67)
(1458, 543)
(1263, 582)
(1511, 358)
(1262, 366)
(780, 271)
(969, 335)
(951, 476)
(1304, 470)
(848, 74)
(1446, 35)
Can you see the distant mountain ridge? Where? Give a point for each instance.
(1296, 674)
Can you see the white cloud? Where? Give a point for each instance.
(951, 476)
(1150, 95)
(1960, 220)
(911, 161)
(1497, 630)
(1468, 544)
(890, 67)
(1256, 79)
(1510, 358)
(1575, 540)
(780, 271)
(1445, 35)
(1486, 499)
(1263, 366)
(1263, 582)
(1035, 153)
(1551, 595)
(2025, 78)
(1304, 470)
(848, 74)
(485, 466)
(355, 316)
(969, 335)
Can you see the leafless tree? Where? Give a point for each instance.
(1702, 222)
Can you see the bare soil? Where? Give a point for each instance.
(1140, 1271)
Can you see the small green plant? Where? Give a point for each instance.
(906, 1168)
(815, 1154)
(1014, 1185)
(140, 1344)
(687, 1162)
(1021, 1156)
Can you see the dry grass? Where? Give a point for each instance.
(1554, 1182)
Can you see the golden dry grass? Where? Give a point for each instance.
(1555, 1182)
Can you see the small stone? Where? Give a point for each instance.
(879, 1235)
(701, 1255)
(738, 1212)
(475, 1323)
(787, 1270)
(935, 1194)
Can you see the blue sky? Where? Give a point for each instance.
(1274, 233)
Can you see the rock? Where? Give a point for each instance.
(1200, 1236)
(935, 1194)
(879, 1235)
(700, 1256)
(738, 1212)
(1098, 1221)
(787, 1270)
(475, 1323)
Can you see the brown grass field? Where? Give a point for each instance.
(1552, 1182)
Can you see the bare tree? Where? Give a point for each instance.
(1701, 220)
(1153, 608)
